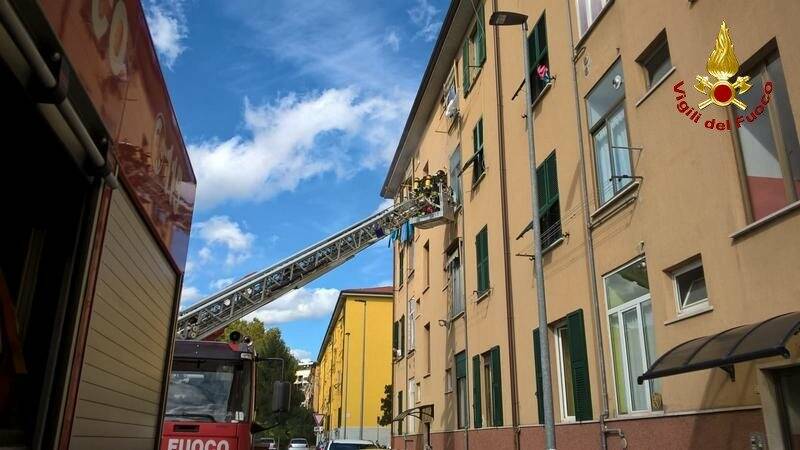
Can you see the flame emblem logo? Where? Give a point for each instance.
(722, 64)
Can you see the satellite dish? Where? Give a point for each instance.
(617, 82)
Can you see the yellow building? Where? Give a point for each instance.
(354, 365)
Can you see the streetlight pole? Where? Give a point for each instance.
(363, 357)
(504, 18)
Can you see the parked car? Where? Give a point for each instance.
(350, 444)
(298, 443)
(264, 443)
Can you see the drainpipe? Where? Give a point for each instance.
(512, 350)
(589, 244)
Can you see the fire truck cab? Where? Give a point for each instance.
(211, 396)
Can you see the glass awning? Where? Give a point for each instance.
(743, 343)
(424, 413)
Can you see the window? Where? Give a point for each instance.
(401, 267)
(573, 369)
(655, 59)
(461, 389)
(412, 323)
(477, 160)
(549, 210)
(488, 407)
(690, 286)
(537, 57)
(630, 316)
(417, 393)
(450, 96)
(398, 338)
(769, 147)
(455, 175)
(482, 257)
(473, 54)
(426, 262)
(609, 134)
(588, 11)
(455, 284)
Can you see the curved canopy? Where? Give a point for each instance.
(743, 343)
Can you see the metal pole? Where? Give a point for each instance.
(363, 353)
(544, 341)
(346, 358)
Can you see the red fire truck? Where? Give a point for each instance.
(211, 396)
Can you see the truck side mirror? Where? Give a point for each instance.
(281, 396)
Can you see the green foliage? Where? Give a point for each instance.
(268, 343)
(386, 407)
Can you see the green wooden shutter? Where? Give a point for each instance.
(537, 361)
(480, 38)
(580, 366)
(482, 255)
(547, 182)
(497, 389)
(399, 410)
(461, 365)
(476, 391)
(465, 70)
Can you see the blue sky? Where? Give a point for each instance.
(291, 112)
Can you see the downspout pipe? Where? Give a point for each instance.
(589, 242)
(512, 348)
(30, 52)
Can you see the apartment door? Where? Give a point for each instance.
(787, 384)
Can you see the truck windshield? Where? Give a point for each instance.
(212, 391)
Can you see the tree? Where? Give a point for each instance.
(269, 343)
(386, 407)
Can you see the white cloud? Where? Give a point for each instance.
(423, 15)
(392, 39)
(296, 305)
(294, 139)
(302, 355)
(218, 285)
(220, 231)
(189, 295)
(168, 29)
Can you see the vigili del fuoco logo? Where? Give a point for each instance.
(722, 65)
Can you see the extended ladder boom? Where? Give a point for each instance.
(259, 289)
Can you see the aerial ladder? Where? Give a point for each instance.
(430, 204)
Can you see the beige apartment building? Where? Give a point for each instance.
(671, 232)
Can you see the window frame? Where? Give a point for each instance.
(455, 176)
(455, 276)
(401, 266)
(537, 57)
(660, 42)
(478, 158)
(633, 304)
(588, 12)
(461, 381)
(758, 67)
(471, 58)
(555, 201)
(562, 374)
(603, 123)
(681, 270)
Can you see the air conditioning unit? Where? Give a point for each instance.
(451, 110)
(396, 353)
